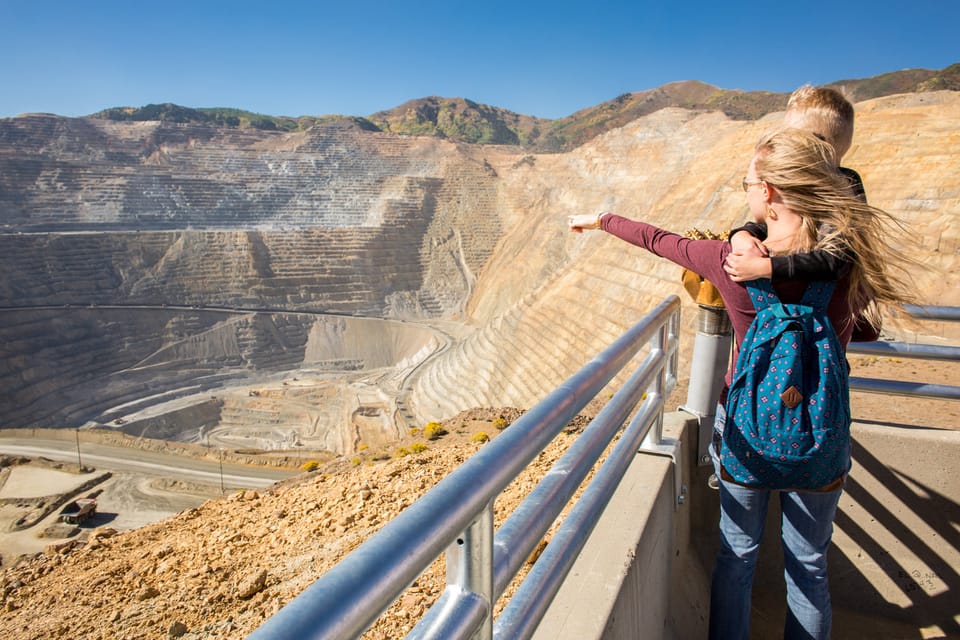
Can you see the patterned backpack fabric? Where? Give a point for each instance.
(788, 408)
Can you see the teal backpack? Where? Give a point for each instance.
(788, 408)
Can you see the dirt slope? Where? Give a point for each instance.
(218, 571)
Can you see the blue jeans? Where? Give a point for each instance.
(807, 527)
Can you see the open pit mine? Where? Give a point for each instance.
(328, 289)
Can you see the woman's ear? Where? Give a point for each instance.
(770, 193)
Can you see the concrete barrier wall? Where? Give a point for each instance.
(894, 563)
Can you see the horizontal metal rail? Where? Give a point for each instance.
(912, 351)
(932, 312)
(902, 388)
(530, 602)
(457, 513)
(905, 350)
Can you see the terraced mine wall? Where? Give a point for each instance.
(329, 288)
(151, 263)
(157, 213)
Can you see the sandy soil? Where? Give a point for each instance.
(33, 481)
(124, 501)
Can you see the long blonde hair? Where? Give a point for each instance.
(803, 169)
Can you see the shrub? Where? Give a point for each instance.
(402, 452)
(312, 465)
(413, 431)
(479, 436)
(418, 447)
(433, 430)
(500, 423)
(355, 460)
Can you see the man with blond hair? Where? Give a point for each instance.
(824, 112)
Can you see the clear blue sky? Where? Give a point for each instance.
(541, 58)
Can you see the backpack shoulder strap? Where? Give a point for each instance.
(762, 294)
(818, 294)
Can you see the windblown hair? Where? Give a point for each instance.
(824, 112)
(803, 170)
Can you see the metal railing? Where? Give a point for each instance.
(910, 350)
(456, 515)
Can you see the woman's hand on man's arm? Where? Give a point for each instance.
(742, 267)
(748, 258)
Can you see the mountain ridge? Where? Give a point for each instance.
(464, 120)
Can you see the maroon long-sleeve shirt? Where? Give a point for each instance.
(706, 257)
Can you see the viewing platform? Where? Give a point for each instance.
(634, 553)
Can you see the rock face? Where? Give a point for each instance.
(337, 224)
(235, 218)
(142, 260)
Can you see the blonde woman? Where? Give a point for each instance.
(826, 113)
(792, 186)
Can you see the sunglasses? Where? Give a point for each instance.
(746, 184)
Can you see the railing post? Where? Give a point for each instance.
(465, 609)
(672, 373)
(658, 344)
(654, 442)
(470, 566)
(711, 355)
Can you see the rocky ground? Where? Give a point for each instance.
(219, 570)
